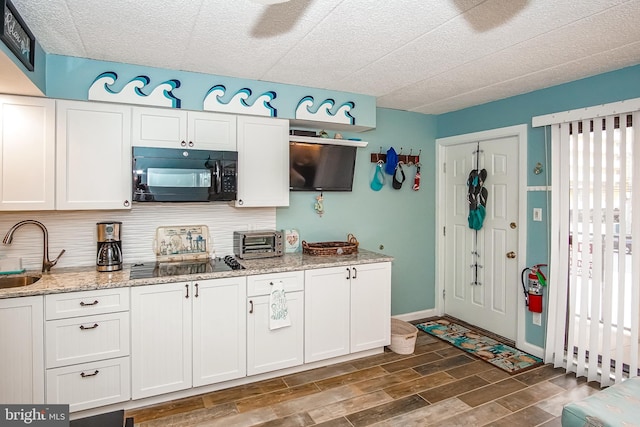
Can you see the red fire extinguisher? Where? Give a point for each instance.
(533, 288)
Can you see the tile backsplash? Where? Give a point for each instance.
(75, 231)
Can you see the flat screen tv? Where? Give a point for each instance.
(321, 167)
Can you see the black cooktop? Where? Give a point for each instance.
(164, 269)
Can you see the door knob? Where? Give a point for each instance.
(511, 255)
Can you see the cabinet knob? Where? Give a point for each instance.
(183, 143)
(190, 143)
(126, 203)
(240, 202)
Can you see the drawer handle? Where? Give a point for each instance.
(84, 328)
(84, 304)
(83, 375)
(251, 309)
(196, 291)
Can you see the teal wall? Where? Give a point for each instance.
(403, 220)
(601, 89)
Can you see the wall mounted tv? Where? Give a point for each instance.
(321, 167)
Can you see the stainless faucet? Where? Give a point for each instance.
(46, 264)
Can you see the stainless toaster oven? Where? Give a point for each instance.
(258, 244)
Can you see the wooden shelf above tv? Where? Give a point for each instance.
(319, 140)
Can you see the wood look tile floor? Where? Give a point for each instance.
(437, 385)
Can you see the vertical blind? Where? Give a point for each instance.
(594, 272)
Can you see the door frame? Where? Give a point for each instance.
(519, 131)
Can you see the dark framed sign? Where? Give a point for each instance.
(16, 35)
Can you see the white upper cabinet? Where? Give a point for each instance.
(27, 153)
(171, 128)
(93, 156)
(263, 162)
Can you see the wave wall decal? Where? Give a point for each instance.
(238, 103)
(324, 113)
(161, 96)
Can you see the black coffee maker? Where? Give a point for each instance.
(109, 256)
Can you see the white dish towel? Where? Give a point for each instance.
(278, 309)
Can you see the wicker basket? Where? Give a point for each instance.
(403, 337)
(331, 248)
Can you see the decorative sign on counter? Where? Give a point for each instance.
(182, 243)
(16, 35)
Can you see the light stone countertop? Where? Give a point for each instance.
(87, 278)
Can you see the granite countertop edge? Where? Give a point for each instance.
(86, 278)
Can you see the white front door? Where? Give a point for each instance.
(481, 273)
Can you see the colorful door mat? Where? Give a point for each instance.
(500, 355)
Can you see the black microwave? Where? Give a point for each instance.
(177, 175)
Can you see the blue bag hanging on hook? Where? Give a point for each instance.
(392, 161)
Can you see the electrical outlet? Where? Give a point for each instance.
(537, 214)
(537, 319)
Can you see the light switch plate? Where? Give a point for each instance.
(537, 214)
(537, 319)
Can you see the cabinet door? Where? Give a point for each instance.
(270, 350)
(219, 330)
(370, 306)
(93, 154)
(326, 313)
(159, 127)
(160, 339)
(27, 153)
(211, 131)
(22, 355)
(263, 162)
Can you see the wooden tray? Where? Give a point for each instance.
(331, 248)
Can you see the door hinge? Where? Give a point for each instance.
(444, 231)
(444, 293)
(444, 167)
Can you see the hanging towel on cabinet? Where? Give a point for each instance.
(278, 309)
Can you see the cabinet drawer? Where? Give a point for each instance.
(74, 304)
(261, 284)
(86, 339)
(89, 385)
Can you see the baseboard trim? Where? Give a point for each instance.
(417, 315)
(531, 349)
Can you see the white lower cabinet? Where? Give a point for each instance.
(326, 313)
(21, 357)
(347, 310)
(87, 348)
(187, 334)
(89, 385)
(272, 349)
(370, 306)
(219, 331)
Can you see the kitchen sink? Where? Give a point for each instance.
(16, 281)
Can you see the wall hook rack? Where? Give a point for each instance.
(407, 159)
